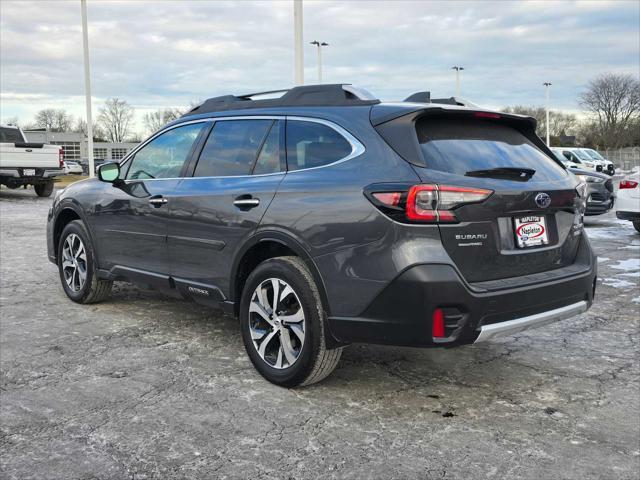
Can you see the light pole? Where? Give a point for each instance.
(319, 45)
(546, 88)
(458, 70)
(297, 42)
(87, 85)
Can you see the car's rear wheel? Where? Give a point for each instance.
(283, 324)
(76, 264)
(43, 189)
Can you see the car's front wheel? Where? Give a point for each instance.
(76, 264)
(283, 324)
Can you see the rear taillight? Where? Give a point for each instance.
(434, 203)
(424, 203)
(61, 157)
(628, 184)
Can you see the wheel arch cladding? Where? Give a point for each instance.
(270, 246)
(66, 216)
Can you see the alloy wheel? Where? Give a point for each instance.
(74, 262)
(276, 323)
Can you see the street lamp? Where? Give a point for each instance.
(319, 45)
(458, 70)
(297, 42)
(546, 88)
(87, 85)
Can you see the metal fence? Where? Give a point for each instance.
(624, 158)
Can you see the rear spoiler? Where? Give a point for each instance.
(398, 128)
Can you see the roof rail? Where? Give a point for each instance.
(425, 97)
(304, 96)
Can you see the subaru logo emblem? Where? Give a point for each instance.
(543, 200)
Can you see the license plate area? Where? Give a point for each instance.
(530, 231)
(28, 172)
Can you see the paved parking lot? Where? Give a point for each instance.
(146, 387)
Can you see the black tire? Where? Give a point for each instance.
(636, 225)
(44, 189)
(93, 289)
(314, 361)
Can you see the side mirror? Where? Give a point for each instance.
(109, 172)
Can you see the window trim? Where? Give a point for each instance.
(357, 148)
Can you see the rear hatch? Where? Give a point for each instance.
(530, 220)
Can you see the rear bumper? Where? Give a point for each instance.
(401, 314)
(510, 327)
(41, 173)
(633, 216)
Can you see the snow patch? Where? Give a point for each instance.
(636, 300)
(617, 283)
(630, 264)
(603, 259)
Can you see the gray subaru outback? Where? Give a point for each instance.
(320, 216)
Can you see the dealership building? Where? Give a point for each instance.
(74, 145)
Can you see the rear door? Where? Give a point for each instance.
(211, 213)
(532, 221)
(130, 217)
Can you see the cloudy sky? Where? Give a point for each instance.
(170, 53)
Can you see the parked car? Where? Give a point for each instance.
(23, 163)
(96, 163)
(325, 217)
(629, 200)
(607, 166)
(574, 163)
(600, 196)
(71, 167)
(574, 156)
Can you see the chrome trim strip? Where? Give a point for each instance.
(357, 148)
(510, 327)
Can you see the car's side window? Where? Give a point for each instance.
(164, 156)
(232, 148)
(271, 158)
(311, 144)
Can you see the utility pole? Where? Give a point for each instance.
(546, 88)
(297, 42)
(87, 86)
(319, 45)
(458, 70)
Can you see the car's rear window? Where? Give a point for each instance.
(10, 135)
(459, 146)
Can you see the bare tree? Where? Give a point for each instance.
(13, 121)
(115, 119)
(54, 120)
(154, 121)
(614, 102)
(98, 134)
(560, 123)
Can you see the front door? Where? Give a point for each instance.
(213, 212)
(130, 220)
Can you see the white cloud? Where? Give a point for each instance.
(156, 54)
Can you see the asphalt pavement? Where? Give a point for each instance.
(146, 387)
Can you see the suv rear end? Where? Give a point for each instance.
(488, 241)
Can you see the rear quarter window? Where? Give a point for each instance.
(459, 146)
(311, 144)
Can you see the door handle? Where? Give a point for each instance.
(246, 203)
(157, 202)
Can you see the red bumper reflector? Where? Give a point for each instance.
(437, 325)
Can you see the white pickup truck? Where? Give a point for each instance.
(23, 163)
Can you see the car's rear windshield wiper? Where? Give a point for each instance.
(509, 173)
